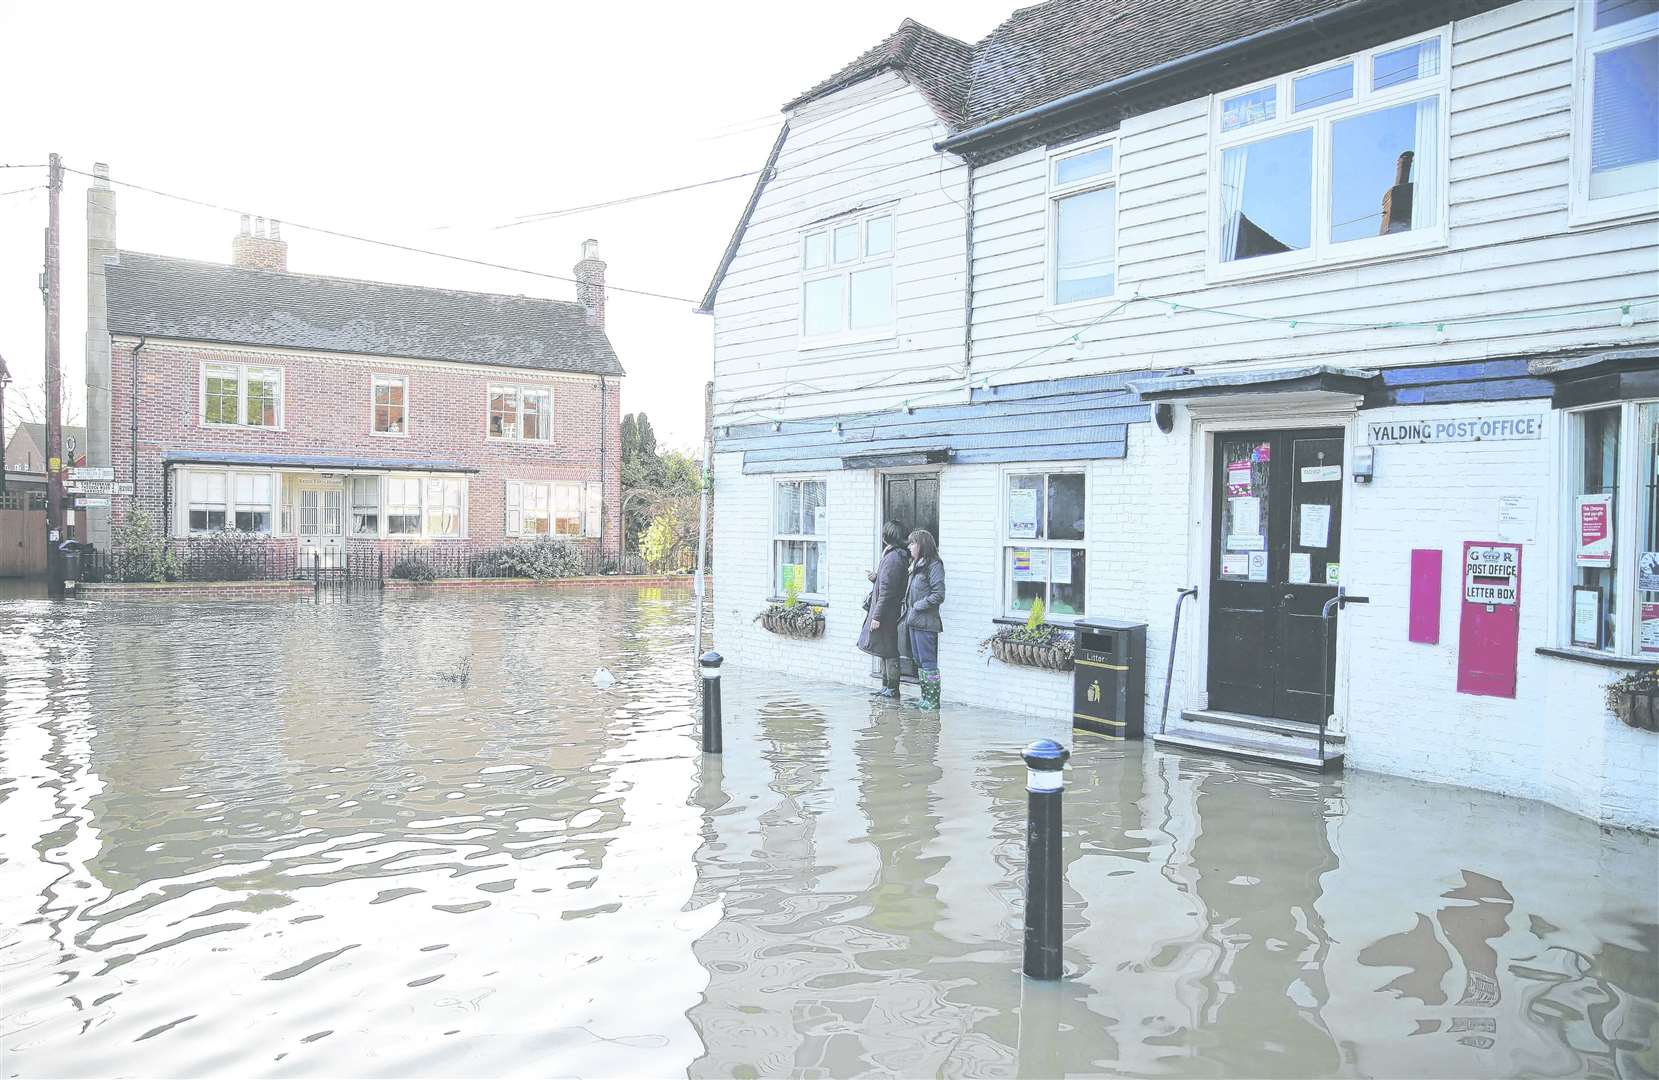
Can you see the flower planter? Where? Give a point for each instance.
(785, 624)
(1638, 709)
(1027, 654)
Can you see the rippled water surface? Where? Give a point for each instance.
(411, 836)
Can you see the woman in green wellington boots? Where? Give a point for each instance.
(922, 599)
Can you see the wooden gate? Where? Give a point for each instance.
(22, 543)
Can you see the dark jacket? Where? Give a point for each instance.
(924, 594)
(886, 598)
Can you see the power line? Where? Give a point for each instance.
(21, 190)
(22, 166)
(410, 248)
(545, 215)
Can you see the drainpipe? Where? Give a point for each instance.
(968, 289)
(603, 509)
(142, 341)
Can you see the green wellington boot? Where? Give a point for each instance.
(929, 681)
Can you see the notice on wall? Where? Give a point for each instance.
(1518, 518)
(1650, 628)
(1238, 478)
(1587, 618)
(1301, 568)
(1315, 528)
(1593, 517)
(1235, 565)
(1333, 573)
(1022, 513)
(1246, 513)
(1059, 568)
(1321, 474)
(1258, 566)
(1491, 575)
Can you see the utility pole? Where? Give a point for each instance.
(5, 377)
(52, 286)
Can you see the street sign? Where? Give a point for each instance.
(99, 487)
(92, 472)
(88, 502)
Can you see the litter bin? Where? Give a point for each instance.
(1109, 678)
(69, 561)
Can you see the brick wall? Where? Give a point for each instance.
(326, 410)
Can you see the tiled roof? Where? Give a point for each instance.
(164, 297)
(37, 435)
(935, 64)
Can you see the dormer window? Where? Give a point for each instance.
(847, 279)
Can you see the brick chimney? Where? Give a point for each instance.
(590, 283)
(260, 247)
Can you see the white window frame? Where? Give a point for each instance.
(846, 335)
(1056, 193)
(379, 506)
(773, 537)
(241, 395)
(375, 383)
(1321, 251)
(422, 505)
(1005, 542)
(1587, 43)
(1627, 539)
(518, 390)
(183, 479)
(589, 496)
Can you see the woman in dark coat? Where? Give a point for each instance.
(924, 595)
(880, 636)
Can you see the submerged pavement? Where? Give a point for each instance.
(410, 836)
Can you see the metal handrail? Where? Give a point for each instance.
(1174, 636)
(1327, 695)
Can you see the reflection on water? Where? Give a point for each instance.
(410, 836)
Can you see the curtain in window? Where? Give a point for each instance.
(1233, 163)
(1425, 192)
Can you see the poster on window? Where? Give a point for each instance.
(1030, 564)
(1245, 516)
(1594, 516)
(1022, 513)
(1238, 478)
(1650, 628)
(1235, 565)
(1301, 568)
(1315, 526)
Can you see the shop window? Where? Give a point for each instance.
(800, 547)
(1329, 164)
(847, 278)
(241, 395)
(1082, 225)
(1616, 112)
(391, 405)
(1044, 526)
(1613, 529)
(365, 505)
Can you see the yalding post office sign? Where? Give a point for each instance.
(1491, 575)
(1464, 429)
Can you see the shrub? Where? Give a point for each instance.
(658, 540)
(541, 559)
(410, 568)
(139, 551)
(226, 556)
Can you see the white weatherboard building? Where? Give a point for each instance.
(1289, 302)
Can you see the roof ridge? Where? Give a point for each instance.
(205, 264)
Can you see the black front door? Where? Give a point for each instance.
(1275, 560)
(912, 500)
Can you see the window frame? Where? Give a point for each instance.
(518, 391)
(1006, 543)
(1587, 43)
(514, 502)
(242, 370)
(376, 381)
(1321, 251)
(775, 537)
(1627, 527)
(846, 335)
(183, 480)
(1057, 192)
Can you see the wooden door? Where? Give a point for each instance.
(912, 500)
(1275, 560)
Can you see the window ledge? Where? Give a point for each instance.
(1217, 273)
(1010, 620)
(803, 600)
(1599, 659)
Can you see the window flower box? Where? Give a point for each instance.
(796, 621)
(1036, 644)
(1634, 699)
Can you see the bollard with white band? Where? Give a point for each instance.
(710, 663)
(1045, 779)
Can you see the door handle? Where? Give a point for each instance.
(1289, 598)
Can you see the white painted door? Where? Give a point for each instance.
(321, 527)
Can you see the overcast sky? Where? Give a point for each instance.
(426, 124)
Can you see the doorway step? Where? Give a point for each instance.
(1254, 738)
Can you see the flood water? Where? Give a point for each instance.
(410, 836)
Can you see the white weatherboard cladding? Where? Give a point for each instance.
(863, 147)
(1511, 252)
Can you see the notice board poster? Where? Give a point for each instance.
(1593, 518)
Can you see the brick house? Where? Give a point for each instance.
(333, 414)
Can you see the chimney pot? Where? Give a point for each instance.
(100, 174)
(590, 283)
(259, 226)
(276, 229)
(245, 231)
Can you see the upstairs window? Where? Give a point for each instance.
(1082, 224)
(241, 395)
(1616, 113)
(1345, 160)
(524, 413)
(390, 405)
(847, 278)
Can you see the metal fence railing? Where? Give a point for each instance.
(236, 557)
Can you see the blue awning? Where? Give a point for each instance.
(331, 462)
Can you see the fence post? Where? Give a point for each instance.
(713, 742)
(317, 573)
(1045, 779)
(380, 567)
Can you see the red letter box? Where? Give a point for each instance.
(1489, 636)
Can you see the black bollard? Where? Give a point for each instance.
(711, 702)
(1045, 779)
